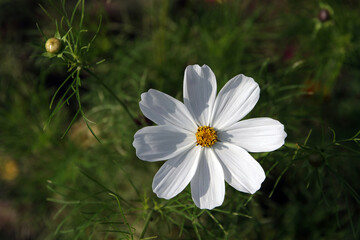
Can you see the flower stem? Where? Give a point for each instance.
(112, 93)
(147, 221)
(194, 222)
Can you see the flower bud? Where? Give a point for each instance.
(324, 15)
(53, 45)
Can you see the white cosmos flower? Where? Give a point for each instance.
(203, 140)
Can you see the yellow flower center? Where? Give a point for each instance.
(205, 136)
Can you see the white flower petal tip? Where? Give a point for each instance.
(255, 134)
(203, 138)
(241, 170)
(175, 174)
(166, 110)
(199, 92)
(208, 186)
(159, 143)
(234, 101)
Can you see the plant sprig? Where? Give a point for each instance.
(73, 53)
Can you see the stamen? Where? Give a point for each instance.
(205, 136)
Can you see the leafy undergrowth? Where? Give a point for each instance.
(77, 176)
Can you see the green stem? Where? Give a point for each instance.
(219, 224)
(147, 221)
(194, 222)
(112, 93)
(122, 214)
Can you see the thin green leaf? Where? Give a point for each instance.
(74, 11)
(70, 125)
(63, 83)
(62, 201)
(97, 32)
(101, 61)
(122, 214)
(41, 32)
(307, 137)
(59, 106)
(46, 12)
(218, 223)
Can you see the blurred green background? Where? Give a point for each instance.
(305, 55)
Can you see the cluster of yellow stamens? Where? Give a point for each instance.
(205, 136)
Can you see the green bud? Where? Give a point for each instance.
(53, 45)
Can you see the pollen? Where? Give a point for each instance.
(205, 136)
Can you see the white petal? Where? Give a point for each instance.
(255, 135)
(199, 92)
(235, 100)
(158, 143)
(176, 173)
(207, 185)
(166, 110)
(241, 170)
